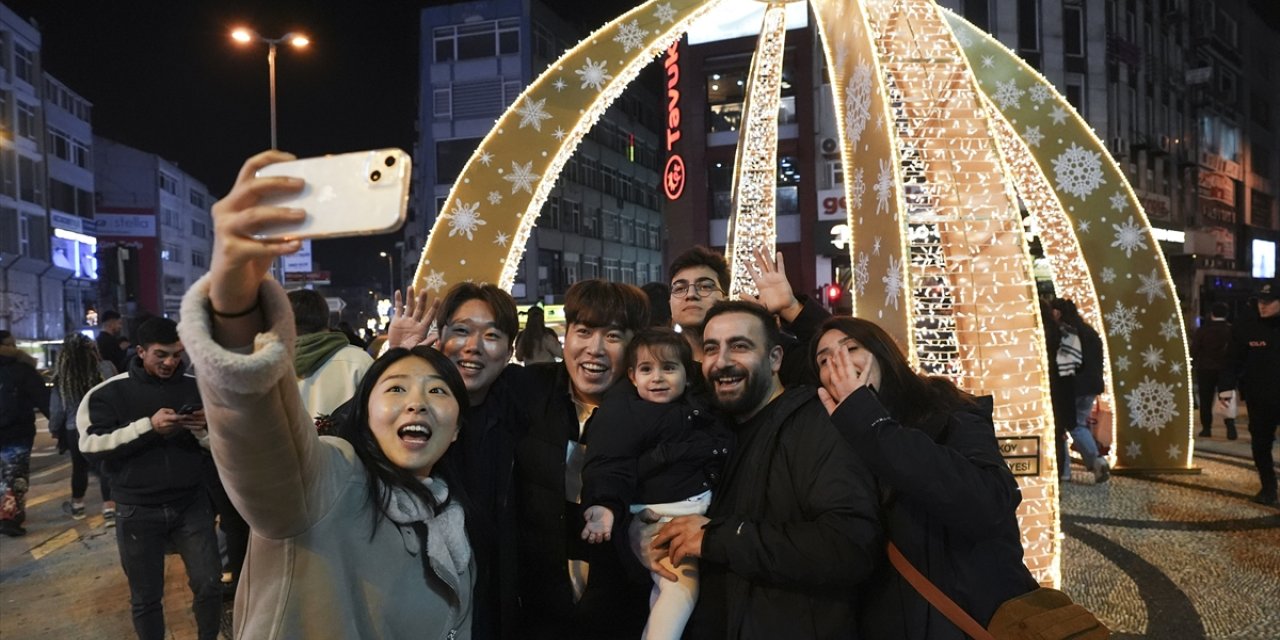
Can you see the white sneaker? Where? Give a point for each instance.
(1101, 470)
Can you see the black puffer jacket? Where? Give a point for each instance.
(794, 530)
(145, 467)
(949, 503)
(22, 393)
(612, 605)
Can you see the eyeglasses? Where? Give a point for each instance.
(704, 287)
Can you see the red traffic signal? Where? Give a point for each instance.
(834, 292)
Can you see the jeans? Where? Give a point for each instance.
(15, 475)
(80, 471)
(1081, 438)
(142, 533)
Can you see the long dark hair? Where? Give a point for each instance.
(384, 476)
(910, 397)
(535, 329)
(76, 370)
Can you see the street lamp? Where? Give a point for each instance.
(391, 274)
(297, 40)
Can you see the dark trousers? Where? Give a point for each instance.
(235, 531)
(80, 471)
(142, 533)
(1207, 387)
(1263, 419)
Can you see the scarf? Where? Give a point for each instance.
(314, 349)
(447, 536)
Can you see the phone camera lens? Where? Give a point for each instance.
(390, 161)
(375, 176)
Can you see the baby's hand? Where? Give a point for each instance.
(599, 524)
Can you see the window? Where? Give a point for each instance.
(23, 63)
(611, 269)
(610, 225)
(442, 103)
(590, 267)
(1029, 25)
(544, 44)
(551, 213)
(477, 40)
(80, 154)
(1075, 91)
(24, 234)
(170, 253)
(451, 155)
(199, 229)
(26, 120)
(170, 218)
(835, 173)
(29, 187)
(59, 144)
(168, 183)
(726, 95)
(1073, 30)
(979, 13)
(572, 216)
(198, 199)
(199, 260)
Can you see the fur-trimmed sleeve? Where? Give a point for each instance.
(279, 474)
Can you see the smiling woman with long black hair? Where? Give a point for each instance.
(362, 536)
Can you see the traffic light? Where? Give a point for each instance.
(833, 293)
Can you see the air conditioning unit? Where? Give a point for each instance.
(830, 147)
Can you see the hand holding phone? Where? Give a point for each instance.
(350, 194)
(189, 408)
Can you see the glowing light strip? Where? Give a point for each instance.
(755, 179)
(975, 306)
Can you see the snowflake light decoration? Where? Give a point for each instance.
(1008, 94)
(1108, 275)
(594, 75)
(521, 177)
(1152, 358)
(532, 113)
(1152, 286)
(630, 36)
(1078, 171)
(884, 187)
(1129, 237)
(435, 281)
(1123, 321)
(1119, 202)
(861, 273)
(1151, 405)
(859, 188)
(1039, 93)
(1033, 136)
(1169, 329)
(892, 282)
(857, 101)
(464, 219)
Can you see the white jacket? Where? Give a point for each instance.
(335, 381)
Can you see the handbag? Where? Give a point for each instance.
(1042, 614)
(1102, 424)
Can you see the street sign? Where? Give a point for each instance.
(309, 277)
(336, 305)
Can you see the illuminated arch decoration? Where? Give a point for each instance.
(1101, 251)
(943, 133)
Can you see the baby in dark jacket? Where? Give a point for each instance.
(655, 449)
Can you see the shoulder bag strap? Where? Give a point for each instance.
(936, 597)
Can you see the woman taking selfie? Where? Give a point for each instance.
(353, 537)
(949, 501)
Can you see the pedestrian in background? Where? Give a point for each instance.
(148, 429)
(111, 341)
(1086, 384)
(327, 366)
(78, 370)
(22, 392)
(538, 342)
(1253, 367)
(1209, 348)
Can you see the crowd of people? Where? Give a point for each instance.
(684, 465)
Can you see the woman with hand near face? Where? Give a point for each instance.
(948, 499)
(361, 536)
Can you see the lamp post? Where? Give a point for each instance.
(391, 274)
(297, 40)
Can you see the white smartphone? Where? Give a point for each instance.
(350, 194)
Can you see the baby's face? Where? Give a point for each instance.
(658, 377)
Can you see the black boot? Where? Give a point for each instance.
(11, 528)
(1231, 429)
(1206, 432)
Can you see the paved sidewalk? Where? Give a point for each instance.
(1177, 556)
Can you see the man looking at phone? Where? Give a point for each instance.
(158, 463)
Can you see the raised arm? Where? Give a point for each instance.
(238, 327)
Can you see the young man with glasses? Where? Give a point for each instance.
(700, 278)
